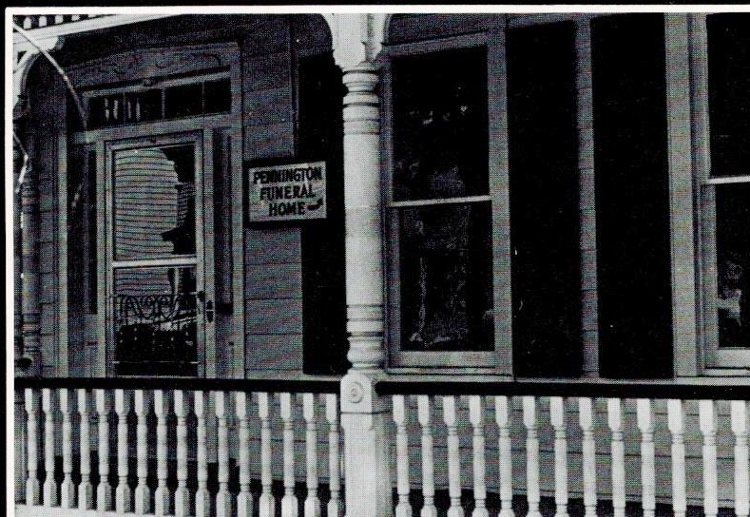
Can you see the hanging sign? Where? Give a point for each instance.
(287, 192)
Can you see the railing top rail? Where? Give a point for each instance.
(715, 388)
(303, 384)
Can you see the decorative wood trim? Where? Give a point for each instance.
(679, 154)
(499, 179)
(152, 64)
(205, 243)
(62, 360)
(587, 199)
(237, 211)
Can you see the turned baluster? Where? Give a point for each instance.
(557, 419)
(50, 487)
(85, 488)
(245, 497)
(505, 455)
(123, 495)
(335, 508)
(676, 423)
(588, 446)
(312, 502)
(68, 489)
(707, 423)
(223, 497)
(103, 489)
(403, 508)
(267, 504)
(644, 408)
(424, 413)
(476, 417)
(142, 491)
(202, 497)
(289, 503)
(161, 494)
(617, 447)
(532, 455)
(181, 494)
(33, 488)
(454, 458)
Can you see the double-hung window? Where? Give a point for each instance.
(723, 94)
(527, 202)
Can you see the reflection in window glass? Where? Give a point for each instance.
(154, 202)
(729, 84)
(155, 321)
(446, 278)
(733, 260)
(440, 125)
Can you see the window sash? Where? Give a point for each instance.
(714, 358)
(499, 360)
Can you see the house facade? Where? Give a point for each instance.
(308, 259)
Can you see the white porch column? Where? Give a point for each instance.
(363, 413)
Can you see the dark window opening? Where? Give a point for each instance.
(323, 290)
(546, 278)
(633, 243)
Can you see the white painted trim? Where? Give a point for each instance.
(727, 180)
(50, 32)
(681, 208)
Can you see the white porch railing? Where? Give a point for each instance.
(568, 448)
(268, 448)
(180, 447)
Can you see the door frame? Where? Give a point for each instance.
(202, 140)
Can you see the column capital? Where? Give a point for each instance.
(357, 37)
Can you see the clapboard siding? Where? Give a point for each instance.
(273, 270)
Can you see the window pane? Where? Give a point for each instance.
(729, 87)
(154, 202)
(183, 101)
(155, 321)
(546, 279)
(632, 202)
(143, 106)
(733, 260)
(446, 278)
(440, 125)
(218, 96)
(106, 110)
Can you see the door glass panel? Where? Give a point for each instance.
(155, 319)
(154, 202)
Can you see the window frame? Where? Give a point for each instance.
(686, 150)
(715, 361)
(498, 360)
